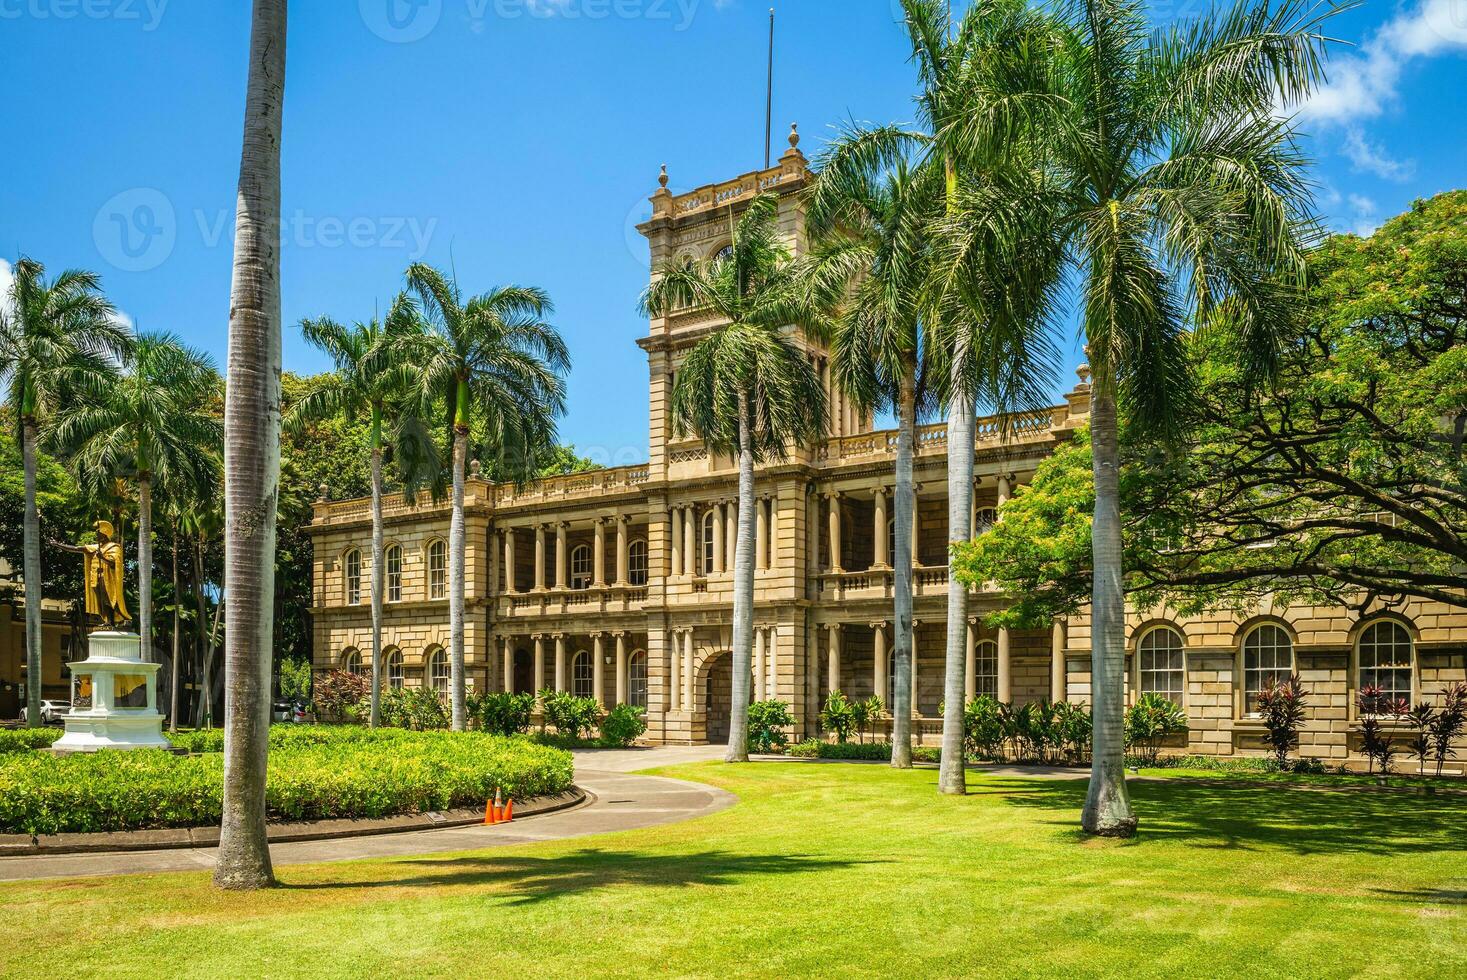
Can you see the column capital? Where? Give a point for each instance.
(559, 636)
(831, 494)
(880, 624)
(596, 634)
(973, 620)
(619, 633)
(537, 636)
(833, 626)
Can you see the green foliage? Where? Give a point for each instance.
(418, 709)
(338, 695)
(623, 725)
(63, 510)
(767, 722)
(316, 773)
(1450, 722)
(838, 716)
(295, 681)
(1375, 737)
(571, 716)
(816, 748)
(27, 739)
(1152, 720)
(1282, 708)
(500, 713)
(1240, 764)
(983, 728)
(1040, 731)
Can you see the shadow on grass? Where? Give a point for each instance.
(532, 879)
(1268, 816)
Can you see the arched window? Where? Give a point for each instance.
(1160, 663)
(351, 661)
(984, 519)
(637, 680)
(580, 567)
(393, 568)
(438, 570)
(710, 531)
(1384, 649)
(582, 679)
(352, 567)
(392, 671)
(438, 672)
(637, 562)
(985, 668)
(724, 254)
(1268, 655)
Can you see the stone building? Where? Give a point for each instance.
(616, 584)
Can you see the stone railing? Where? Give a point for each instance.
(931, 439)
(927, 580)
(731, 191)
(597, 599)
(572, 486)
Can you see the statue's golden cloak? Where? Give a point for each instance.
(102, 568)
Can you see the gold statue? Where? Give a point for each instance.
(102, 576)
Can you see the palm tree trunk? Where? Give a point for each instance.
(252, 462)
(177, 624)
(32, 572)
(1108, 810)
(456, 582)
(374, 717)
(743, 599)
(145, 564)
(203, 713)
(953, 778)
(901, 561)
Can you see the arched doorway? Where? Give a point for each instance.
(524, 672)
(718, 694)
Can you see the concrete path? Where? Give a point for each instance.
(620, 801)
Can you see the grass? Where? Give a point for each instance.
(850, 870)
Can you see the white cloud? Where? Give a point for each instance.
(1371, 158)
(6, 278)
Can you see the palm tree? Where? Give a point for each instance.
(747, 389)
(869, 222)
(59, 340)
(252, 461)
(501, 366)
(153, 425)
(1181, 196)
(374, 375)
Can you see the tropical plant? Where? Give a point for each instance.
(983, 729)
(418, 709)
(1152, 720)
(1281, 705)
(838, 716)
(572, 717)
(252, 461)
(336, 695)
(1178, 192)
(375, 375)
(747, 389)
(500, 713)
(1421, 718)
(1075, 728)
(623, 725)
(499, 364)
(58, 342)
(154, 426)
(767, 723)
(1451, 720)
(1376, 709)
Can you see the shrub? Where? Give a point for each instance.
(983, 730)
(499, 713)
(418, 709)
(1075, 727)
(767, 722)
(1375, 741)
(838, 716)
(820, 749)
(1282, 707)
(864, 714)
(1152, 720)
(622, 726)
(27, 739)
(339, 694)
(573, 717)
(1421, 718)
(1449, 724)
(316, 772)
(295, 681)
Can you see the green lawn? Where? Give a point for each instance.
(829, 870)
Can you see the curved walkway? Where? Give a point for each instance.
(619, 800)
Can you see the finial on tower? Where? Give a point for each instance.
(474, 468)
(662, 177)
(794, 136)
(1084, 372)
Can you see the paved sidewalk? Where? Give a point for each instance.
(620, 801)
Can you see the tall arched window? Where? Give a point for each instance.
(580, 567)
(1268, 655)
(1386, 661)
(393, 568)
(1161, 663)
(985, 668)
(710, 531)
(352, 571)
(351, 661)
(438, 672)
(392, 672)
(637, 562)
(984, 520)
(582, 676)
(637, 680)
(438, 570)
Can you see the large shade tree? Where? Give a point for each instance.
(748, 390)
(500, 367)
(375, 376)
(252, 460)
(59, 341)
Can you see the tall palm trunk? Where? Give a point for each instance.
(743, 599)
(456, 579)
(378, 578)
(1108, 804)
(145, 564)
(177, 648)
(904, 500)
(32, 572)
(252, 462)
(203, 707)
(953, 777)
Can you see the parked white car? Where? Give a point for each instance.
(53, 711)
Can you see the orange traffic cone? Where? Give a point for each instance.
(490, 816)
(498, 806)
(508, 811)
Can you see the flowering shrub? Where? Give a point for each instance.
(339, 694)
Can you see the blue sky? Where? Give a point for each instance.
(519, 141)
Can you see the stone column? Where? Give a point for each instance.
(759, 664)
(691, 544)
(675, 519)
(879, 668)
(916, 711)
(834, 530)
(916, 532)
(674, 671)
(1059, 639)
(689, 701)
(598, 556)
(833, 656)
(622, 551)
(539, 662)
(539, 557)
(621, 668)
(771, 656)
(560, 662)
(883, 556)
(598, 670)
(1005, 672)
(718, 521)
(730, 536)
(970, 682)
(761, 535)
(508, 585)
(560, 555)
(509, 665)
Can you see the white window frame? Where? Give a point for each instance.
(706, 538)
(440, 672)
(393, 674)
(352, 661)
(392, 565)
(1254, 677)
(437, 577)
(637, 567)
(351, 571)
(1367, 637)
(985, 668)
(637, 686)
(583, 675)
(582, 562)
(1179, 695)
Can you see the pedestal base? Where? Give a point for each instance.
(93, 731)
(121, 709)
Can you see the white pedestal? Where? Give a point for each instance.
(114, 697)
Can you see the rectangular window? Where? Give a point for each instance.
(438, 570)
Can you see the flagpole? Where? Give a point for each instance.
(769, 99)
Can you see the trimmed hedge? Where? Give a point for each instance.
(27, 739)
(316, 773)
(815, 748)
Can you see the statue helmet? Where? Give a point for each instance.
(104, 527)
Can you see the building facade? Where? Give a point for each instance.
(617, 584)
